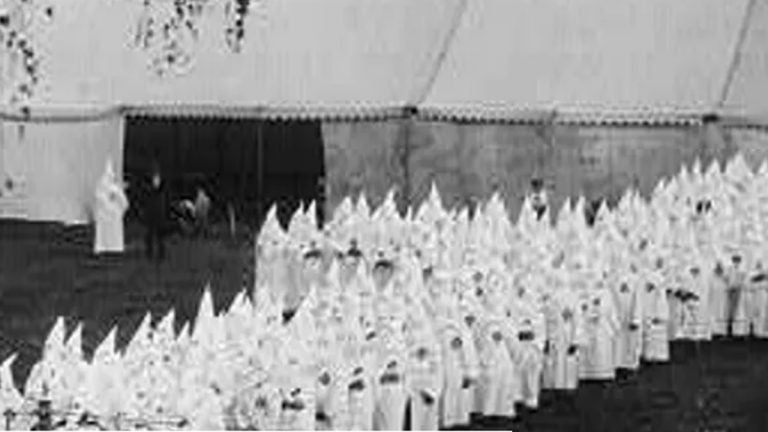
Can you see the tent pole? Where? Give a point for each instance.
(434, 67)
(736, 59)
(260, 204)
(244, 164)
(405, 157)
(552, 153)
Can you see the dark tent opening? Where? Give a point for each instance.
(243, 164)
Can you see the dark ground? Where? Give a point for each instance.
(47, 271)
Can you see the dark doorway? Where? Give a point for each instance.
(249, 164)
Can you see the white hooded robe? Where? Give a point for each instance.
(566, 341)
(496, 390)
(109, 208)
(756, 301)
(655, 320)
(629, 305)
(602, 326)
(461, 372)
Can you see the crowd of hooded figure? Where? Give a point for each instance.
(429, 317)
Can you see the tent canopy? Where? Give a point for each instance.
(460, 59)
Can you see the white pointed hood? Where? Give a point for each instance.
(362, 207)
(107, 349)
(206, 329)
(164, 334)
(271, 233)
(108, 179)
(310, 215)
(141, 339)
(342, 212)
(10, 397)
(74, 344)
(55, 342)
(737, 169)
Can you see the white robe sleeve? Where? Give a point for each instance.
(580, 330)
(637, 314)
(612, 318)
(540, 328)
(662, 306)
(472, 363)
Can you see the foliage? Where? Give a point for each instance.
(22, 28)
(169, 29)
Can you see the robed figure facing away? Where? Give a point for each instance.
(156, 217)
(110, 207)
(538, 196)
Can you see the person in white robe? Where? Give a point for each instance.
(261, 403)
(103, 379)
(298, 396)
(47, 380)
(602, 326)
(471, 312)
(461, 373)
(673, 285)
(331, 385)
(424, 378)
(629, 303)
(390, 390)
(360, 397)
(312, 276)
(737, 314)
(530, 326)
(496, 389)
(696, 321)
(718, 300)
(655, 317)
(109, 208)
(756, 301)
(11, 400)
(565, 341)
(357, 363)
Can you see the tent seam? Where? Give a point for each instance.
(736, 57)
(446, 46)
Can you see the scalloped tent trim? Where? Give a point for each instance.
(432, 60)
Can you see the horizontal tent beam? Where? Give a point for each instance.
(367, 112)
(59, 115)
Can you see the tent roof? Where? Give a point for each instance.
(601, 61)
(746, 94)
(310, 55)
(619, 55)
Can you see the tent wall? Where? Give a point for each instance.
(468, 161)
(54, 166)
(362, 157)
(753, 143)
(215, 154)
(249, 163)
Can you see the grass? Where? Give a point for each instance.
(47, 271)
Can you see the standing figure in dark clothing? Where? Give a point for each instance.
(156, 217)
(539, 199)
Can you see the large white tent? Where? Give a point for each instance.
(414, 91)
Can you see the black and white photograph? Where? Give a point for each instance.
(520, 215)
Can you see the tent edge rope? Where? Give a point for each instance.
(447, 42)
(737, 51)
